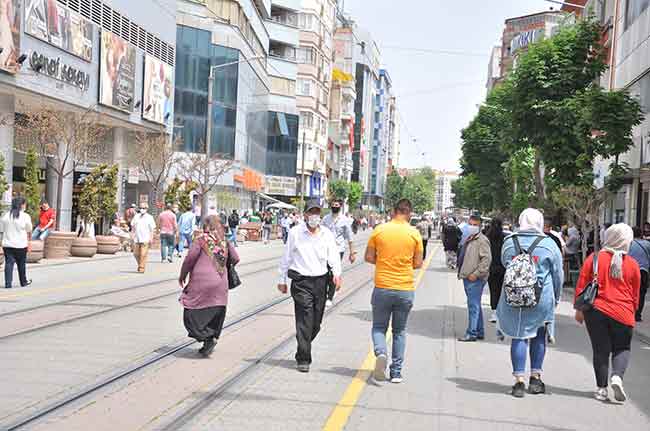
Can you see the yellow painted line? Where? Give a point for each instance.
(343, 409)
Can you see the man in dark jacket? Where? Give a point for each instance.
(451, 239)
(233, 223)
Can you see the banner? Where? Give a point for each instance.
(53, 23)
(158, 89)
(117, 72)
(9, 35)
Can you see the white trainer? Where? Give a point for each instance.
(493, 317)
(601, 394)
(380, 368)
(617, 387)
(328, 303)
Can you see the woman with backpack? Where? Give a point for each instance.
(610, 319)
(531, 291)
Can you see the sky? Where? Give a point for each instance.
(437, 93)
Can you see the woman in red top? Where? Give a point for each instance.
(610, 322)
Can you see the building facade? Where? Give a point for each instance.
(314, 55)
(114, 57)
(444, 197)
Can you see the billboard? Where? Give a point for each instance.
(117, 72)
(55, 24)
(9, 35)
(158, 89)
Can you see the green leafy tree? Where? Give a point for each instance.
(98, 198)
(4, 186)
(354, 195)
(394, 189)
(32, 193)
(338, 189)
(178, 192)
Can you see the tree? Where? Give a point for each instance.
(98, 199)
(178, 192)
(63, 140)
(354, 195)
(32, 193)
(420, 190)
(558, 109)
(4, 186)
(394, 189)
(155, 158)
(338, 189)
(205, 172)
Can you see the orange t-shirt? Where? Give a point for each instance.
(395, 243)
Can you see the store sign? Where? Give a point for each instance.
(282, 186)
(18, 175)
(526, 38)
(134, 176)
(158, 90)
(117, 72)
(251, 180)
(55, 68)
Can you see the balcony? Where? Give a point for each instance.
(282, 33)
(282, 67)
(288, 4)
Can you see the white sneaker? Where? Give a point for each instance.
(328, 303)
(493, 317)
(397, 379)
(617, 387)
(601, 394)
(380, 368)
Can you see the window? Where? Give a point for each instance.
(304, 87)
(633, 9)
(323, 127)
(306, 55)
(307, 119)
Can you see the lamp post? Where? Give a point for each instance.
(208, 132)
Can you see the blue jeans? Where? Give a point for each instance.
(181, 241)
(387, 303)
(474, 292)
(519, 349)
(233, 236)
(167, 245)
(40, 234)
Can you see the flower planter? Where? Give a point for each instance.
(37, 251)
(84, 247)
(109, 244)
(57, 244)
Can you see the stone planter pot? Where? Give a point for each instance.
(37, 251)
(2, 257)
(107, 244)
(84, 247)
(57, 244)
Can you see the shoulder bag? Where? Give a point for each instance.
(585, 301)
(233, 277)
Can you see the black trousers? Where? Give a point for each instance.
(15, 256)
(495, 281)
(644, 291)
(309, 296)
(609, 337)
(424, 248)
(331, 287)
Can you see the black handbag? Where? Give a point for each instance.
(233, 277)
(585, 301)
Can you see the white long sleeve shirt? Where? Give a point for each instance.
(309, 253)
(144, 226)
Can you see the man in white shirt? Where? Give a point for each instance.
(285, 223)
(143, 226)
(310, 250)
(341, 227)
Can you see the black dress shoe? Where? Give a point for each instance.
(26, 284)
(467, 339)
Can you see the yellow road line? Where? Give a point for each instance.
(343, 409)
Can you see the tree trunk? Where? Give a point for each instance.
(59, 200)
(540, 189)
(585, 239)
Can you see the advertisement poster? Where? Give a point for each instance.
(53, 23)
(117, 72)
(9, 35)
(158, 88)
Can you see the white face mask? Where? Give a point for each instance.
(313, 221)
(473, 230)
(143, 211)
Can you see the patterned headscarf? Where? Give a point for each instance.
(214, 243)
(617, 241)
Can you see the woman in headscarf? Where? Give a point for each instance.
(610, 322)
(530, 327)
(205, 296)
(496, 236)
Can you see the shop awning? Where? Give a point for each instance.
(268, 198)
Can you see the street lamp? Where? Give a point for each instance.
(208, 132)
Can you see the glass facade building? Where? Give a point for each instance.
(282, 147)
(239, 112)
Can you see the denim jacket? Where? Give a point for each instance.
(524, 322)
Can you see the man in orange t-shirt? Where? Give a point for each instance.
(396, 250)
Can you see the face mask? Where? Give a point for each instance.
(473, 230)
(313, 221)
(143, 211)
(336, 210)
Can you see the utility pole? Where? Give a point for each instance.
(302, 172)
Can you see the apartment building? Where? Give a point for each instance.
(444, 197)
(314, 56)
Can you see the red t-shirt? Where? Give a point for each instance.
(618, 299)
(45, 217)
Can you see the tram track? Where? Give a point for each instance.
(166, 351)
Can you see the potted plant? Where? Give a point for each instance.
(96, 203)
(3, 188)
(33, 200)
